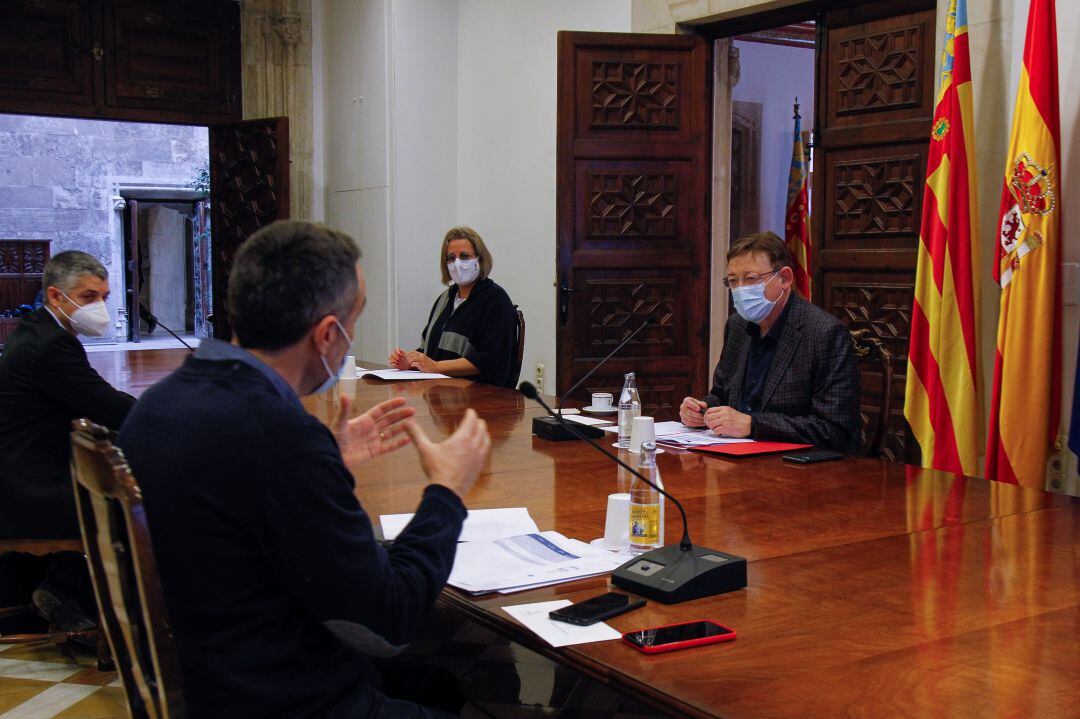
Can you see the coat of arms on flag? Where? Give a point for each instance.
(1032, 190)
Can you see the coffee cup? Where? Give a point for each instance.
(643, 430)
(617, 524)
(601, 400)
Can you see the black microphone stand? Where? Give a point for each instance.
(150, 315)
(669, 574)
(557, 431)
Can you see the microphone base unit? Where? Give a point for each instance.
(671, 574)
(551, 429)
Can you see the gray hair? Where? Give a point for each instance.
(64, 270)
(286, 277)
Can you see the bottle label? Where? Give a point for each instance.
(645, 525)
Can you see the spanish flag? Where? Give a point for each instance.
(942, 402)
(797, 219)
(1026, 404)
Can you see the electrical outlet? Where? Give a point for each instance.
(539, 378)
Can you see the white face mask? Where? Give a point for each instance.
(332, 377)
(91, 320)
(464, 272)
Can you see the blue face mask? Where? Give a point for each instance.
(332, 377)
(750, 301)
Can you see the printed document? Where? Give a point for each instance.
(480, 524)
(397, 375)
(525, 561)
(559, 634)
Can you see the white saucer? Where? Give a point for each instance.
(600, 410)
(659, 450)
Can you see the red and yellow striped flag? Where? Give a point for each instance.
(1026, 404)
(942, 401)
(797, 216)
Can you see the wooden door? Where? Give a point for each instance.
(181, 59)
(249, 188)
(46, 54)
(133, 270)
(874, 108)
(633, 156)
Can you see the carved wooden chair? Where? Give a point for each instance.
(520, 354)
(126, 581)
(872, 355)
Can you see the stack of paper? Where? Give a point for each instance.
(480, 524)
(679, 435)
(396, 375)
(526, 561)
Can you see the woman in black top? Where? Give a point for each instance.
(472, 328)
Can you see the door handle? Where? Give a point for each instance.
(565, 291)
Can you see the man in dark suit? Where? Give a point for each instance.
(787, 371)
(45, 382)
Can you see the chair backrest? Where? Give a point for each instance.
(872, 354)
(520, 345)
(129, 594)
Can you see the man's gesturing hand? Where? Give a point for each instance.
(457, 461)
(375, 432)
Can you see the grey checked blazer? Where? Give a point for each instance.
(812, 389)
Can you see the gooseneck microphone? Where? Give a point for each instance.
(673, 573)
(530, 392)
(548, 428)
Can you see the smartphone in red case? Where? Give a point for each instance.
(672, 637)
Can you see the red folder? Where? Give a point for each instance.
(750, 449)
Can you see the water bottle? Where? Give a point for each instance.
(629, 408)
(646, 504)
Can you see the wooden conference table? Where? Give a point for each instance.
(875, 589)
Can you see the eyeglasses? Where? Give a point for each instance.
(450, 257)
(747, 280)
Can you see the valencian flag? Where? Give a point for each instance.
(797, 217)
(942, 402)
(1026, 404)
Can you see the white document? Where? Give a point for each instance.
(516, 563)
(582, 419)
(397, 375)
(480, 524)
(559, 634)
(698, 438)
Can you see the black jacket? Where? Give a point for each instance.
(266, 557)
(45, 382)
(811, 390)
(483, 330)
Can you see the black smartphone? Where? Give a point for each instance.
(656, 640)
(597, 609)
(812, 457)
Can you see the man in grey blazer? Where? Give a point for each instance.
(787, 371)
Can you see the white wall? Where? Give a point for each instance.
(506, 144)
(437, 113)
(760, 82)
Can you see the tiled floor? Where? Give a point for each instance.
(39, 682)
(499, 678)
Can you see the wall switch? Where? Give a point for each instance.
(539, 378)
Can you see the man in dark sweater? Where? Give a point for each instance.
(45, 382)
(277, 591)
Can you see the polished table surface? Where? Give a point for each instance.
(875, 589)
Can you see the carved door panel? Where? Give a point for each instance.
(182, 58)
(46, 54)
(133, 270)
(873, 117)
(633, 153)
(249, 188)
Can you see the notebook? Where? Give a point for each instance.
(750, 449)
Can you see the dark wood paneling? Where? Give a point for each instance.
(46, 53)
(633, 242)
(139, 60)
(249, 188)
(172, 57)
(875, 103)
(22, 266)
